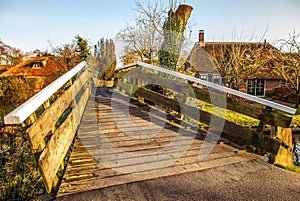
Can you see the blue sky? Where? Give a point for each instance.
(28, 25)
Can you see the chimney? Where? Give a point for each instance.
(201, 38)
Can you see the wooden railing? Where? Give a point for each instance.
(278, 141)
(51, 119)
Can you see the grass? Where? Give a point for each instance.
(292, 168)
(232, 116)
(295, 121)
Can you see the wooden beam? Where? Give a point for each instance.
(57, 148)
(215, 86)
(268, 116)
(42, 126)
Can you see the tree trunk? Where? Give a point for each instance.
(297, 99)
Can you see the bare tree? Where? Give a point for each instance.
(144, 38)
(149, 34)
(288, 63)
(236, 60)
(10, 55)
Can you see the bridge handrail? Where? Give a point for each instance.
(21, 113)
(215, 86)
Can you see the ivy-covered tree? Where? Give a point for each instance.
(105, 55)
(173, 28)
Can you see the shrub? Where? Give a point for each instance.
(19, 175)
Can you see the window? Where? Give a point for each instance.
(37, 65)
(248, 55)
(217, 79)
(251, 87)
(282, 82)
(256, 87)
(203, 77)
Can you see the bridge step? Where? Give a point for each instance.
(94, 164)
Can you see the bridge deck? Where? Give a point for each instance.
(95, 164)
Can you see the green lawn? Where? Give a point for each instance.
(296, 120)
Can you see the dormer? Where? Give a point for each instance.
(39, 64)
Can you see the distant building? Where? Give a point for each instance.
(44, 69)
(200, 62)
(205, 56)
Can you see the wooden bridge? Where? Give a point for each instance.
(86, 137)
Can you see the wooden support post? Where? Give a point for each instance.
(32, 118)
(70, 82)
(261, 126)
(273, 131)
(46, 104)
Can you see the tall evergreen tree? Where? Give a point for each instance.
(82, 48)
(105, 54)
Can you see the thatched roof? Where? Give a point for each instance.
(38, 66)
(199, 60)
(202, 57)
(5, 67)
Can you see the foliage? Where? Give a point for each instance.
(13, 92)
(129, 56)
(296, 119)
(19, 176)
(71, 53)
(173, 28)
(68, 54)
(82, 48)
(105, 54)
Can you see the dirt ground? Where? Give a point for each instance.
(247, 180)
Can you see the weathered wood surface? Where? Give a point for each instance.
(46, 122)
(86, 171)
(135, 82)
(51, 144)
(58, 146)
(212, 86)
(248, 135)
(268, 116)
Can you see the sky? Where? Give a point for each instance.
(31, 24)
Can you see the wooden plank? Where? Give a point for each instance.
(214, 86)
(38, 131)
(229, 128)
(268, 116)
(22, 112)
(56, 149)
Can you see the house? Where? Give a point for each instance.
(200, 62)
(43, 69)
(255, 75)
